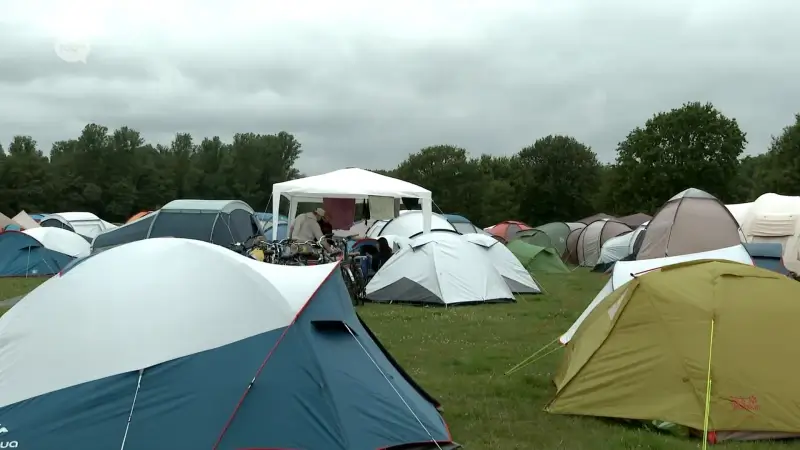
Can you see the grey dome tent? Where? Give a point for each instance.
(221, 222)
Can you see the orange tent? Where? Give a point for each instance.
(138, 215)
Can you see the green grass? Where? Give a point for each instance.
(460, 355)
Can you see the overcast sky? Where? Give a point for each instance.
(364, 83)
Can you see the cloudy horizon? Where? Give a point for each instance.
(364, 84)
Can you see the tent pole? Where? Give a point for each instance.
(133, 405)
(707, 411)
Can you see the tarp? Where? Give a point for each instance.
(241, 354)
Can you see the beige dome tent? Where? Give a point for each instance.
(592, 238)
(776, 218)
(692, 221)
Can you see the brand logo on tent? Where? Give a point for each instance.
(7, 444)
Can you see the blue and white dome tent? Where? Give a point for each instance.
(180, 344)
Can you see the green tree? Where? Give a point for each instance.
(450, 175)
(560, 175)
(691, 146)
(780, 166)
(25, 177)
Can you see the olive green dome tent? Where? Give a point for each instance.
(652, 349)
(537, 259)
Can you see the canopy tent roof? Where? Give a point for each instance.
(355, 183)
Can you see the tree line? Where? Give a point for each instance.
(115, 174)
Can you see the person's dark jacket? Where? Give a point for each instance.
(383, 255)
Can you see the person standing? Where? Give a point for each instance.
(306, 228)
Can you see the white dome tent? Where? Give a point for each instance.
(618, 248)
(518, 279)
(61, 240)
(624, 271)
(410, 224)
(85, 223)
(169, 333)
(439, 268)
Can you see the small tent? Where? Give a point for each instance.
(634, 220)
(776, 218)
(508, 229)
(55, 221)
(61, 240)
(537, 259)
(439, 268)
(221, 222)
(21, 255)
(518, 279)
(137, 216)
(690, 222)
(653, 349)
(409, 224)
(558, 232)
(463, 225)
(593, 236)
(86, 223)
(241, 355)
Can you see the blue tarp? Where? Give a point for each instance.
(283, 231)
(22, 255)
(326, 384)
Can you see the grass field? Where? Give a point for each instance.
(459, 355)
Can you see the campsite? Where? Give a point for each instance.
(212, 296)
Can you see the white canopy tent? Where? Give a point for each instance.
(352, 183)
(625, 271)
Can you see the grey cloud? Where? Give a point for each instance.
(358, 98)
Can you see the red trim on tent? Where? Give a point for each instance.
(264, 363)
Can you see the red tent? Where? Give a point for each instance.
(507, 229)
